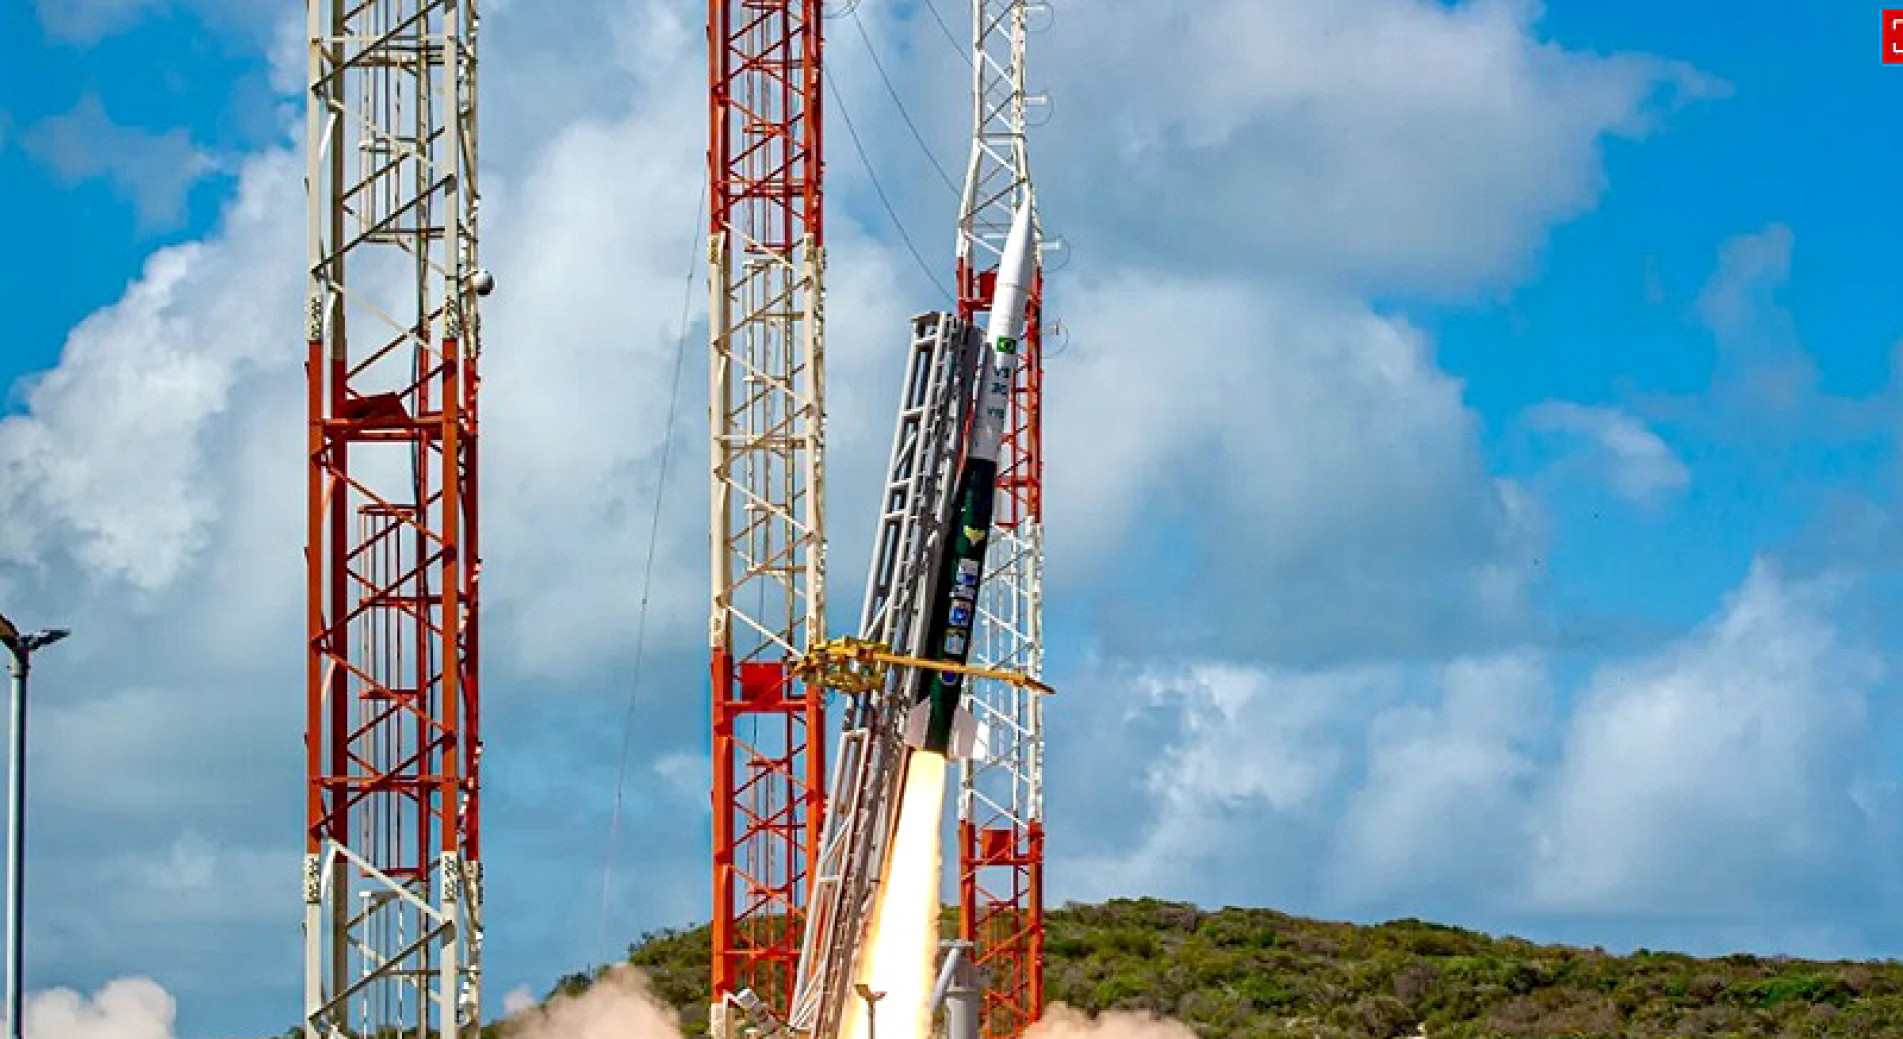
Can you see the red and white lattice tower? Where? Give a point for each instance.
(1001, 796)
(767, 412)
(392, 871)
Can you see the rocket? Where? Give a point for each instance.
(938, 721)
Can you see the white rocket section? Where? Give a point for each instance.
(1001, 339)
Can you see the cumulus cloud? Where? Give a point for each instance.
(1745, 291)
(118, 459)
(578, 394)
(156, 170)
(1720, 773)
(1447, 784)
(1762, 365)
(129, 1008)
(1766, 392)
(1312, 478)
(1240, 769)
(1381, 141)
(1613, 446)
(1727, 781)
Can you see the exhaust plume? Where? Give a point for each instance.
(901, 946)
(1061, 1021)
(619, 1005)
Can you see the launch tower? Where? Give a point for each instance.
(766, 254)
(1001, 795)
(392, 868)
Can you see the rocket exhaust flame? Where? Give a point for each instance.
(901, 945)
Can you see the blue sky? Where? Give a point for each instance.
(1473, 469)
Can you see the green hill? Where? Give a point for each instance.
(1257, 974)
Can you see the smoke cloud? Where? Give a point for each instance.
(619, 1005)
(1061, 1021)
(129, 1008)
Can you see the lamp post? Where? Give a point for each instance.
(872, 1007)
(20, 649)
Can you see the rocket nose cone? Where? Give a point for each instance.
(1015, 263)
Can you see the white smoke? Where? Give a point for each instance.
(619, 1005)
(517, 1000)
(1061, 1021)
(129, 1008)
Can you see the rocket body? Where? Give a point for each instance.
(937, 721)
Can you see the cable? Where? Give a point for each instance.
(647, 577)
(873, 53)
(950, 37)
(857, 146)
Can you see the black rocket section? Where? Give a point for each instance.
(955, 599)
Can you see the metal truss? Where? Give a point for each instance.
(1000, 795)
(935, 398)
(767, 410)
(392, 871)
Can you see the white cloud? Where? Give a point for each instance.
(580, 341)
(1318, 789)
(114, 461)
(1390, 141)
(129, 1008)
(156, 170)
(1746, 287)
(1724, 790)
(89, 21)
(1721, 770)
(1615, 447)
(1247, 768)
(1447, 785)
(1323, 475)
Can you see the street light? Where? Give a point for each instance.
(872, 998)
(20, 648)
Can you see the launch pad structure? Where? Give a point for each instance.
(796, 855)
(392, 906)
(1001, 795)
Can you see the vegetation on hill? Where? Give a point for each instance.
(1257, 974)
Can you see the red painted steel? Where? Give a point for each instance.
(391, 686)
(768, 730)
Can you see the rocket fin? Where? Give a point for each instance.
(968, 738)
(917, 720)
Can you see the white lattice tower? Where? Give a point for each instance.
(1000, 804)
